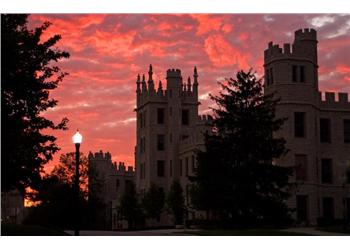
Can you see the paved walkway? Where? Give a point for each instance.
(160, 232)
(313, 231)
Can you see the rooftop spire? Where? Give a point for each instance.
(189, 84)
(150, 79)
(160, 87)
(144, 87)
(195, 76)
(138, 83)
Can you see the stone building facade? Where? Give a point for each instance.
(317, 130)
(169, 130)
(107, 182)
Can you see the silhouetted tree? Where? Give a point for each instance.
(28, 72)
(65, 171)
(153, 202)
(55, 195)
(129, 206)
(176, 202)
(236, 179)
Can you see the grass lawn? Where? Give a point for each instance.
(28, 230)
(245, 232)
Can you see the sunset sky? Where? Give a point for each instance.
(108, 51)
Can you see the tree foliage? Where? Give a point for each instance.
(129, 206)
(236, 179)
(176, 202)
(153, 202)
(29, 72)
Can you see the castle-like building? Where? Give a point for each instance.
(317, 130)
(169, 130)
(107, 182)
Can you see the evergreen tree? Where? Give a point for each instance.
(28, 73)
(129, 206)
(176, 202)
(153, 202)
(236, 179)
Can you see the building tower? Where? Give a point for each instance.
(165, 118)
(291, 74)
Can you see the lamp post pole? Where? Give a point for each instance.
(77, 139)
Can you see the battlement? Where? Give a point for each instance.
(205, 118)
(104, 160)
(305, 34)
(173, 73)
(328, 100)
(100, 155)
(300, 47)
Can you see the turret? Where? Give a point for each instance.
(138, 82)
(189, 84)
(174, 82)
(150, 80)
(144, 86)
(160, 88)
(195, 82)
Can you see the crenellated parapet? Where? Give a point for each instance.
(304, 47)
(328, 100)
(205, 119)
(146, 91)
(103, 162)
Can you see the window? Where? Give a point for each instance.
(160, 142)
(117, 184)
(171, 168)
(128, 184)
(325, 130)
(271, 76)
(267, 77)
(143, 119)
(160, 168)
(185, 117)
(186, 162)
(301, 167)
(170, 111)
(328, 208)
(294, 73)
(160, 116)
(142, 170)
(299, 124)
(193, 164)
(170, 137)
(302, 73)
(180, 167)
(143, 145)
(302, 208)
(170, 93)
(326, 171)
(346, 131)
(184, 137)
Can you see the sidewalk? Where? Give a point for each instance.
(313, 231)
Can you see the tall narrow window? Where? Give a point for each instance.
(186, 162)
(299, 124)
(160, 142)
(326, 171)
(160, 168)
(271, 76)
(193, 164)
(117, 184)
(267, 77)
(170, 168)
(302, 208)
(294, 73)
(185, 120)
(170, 137)
(180, 167)
(170, 111)
(346, 124)
(160, 116)
(325, 130)
(328, 208)
(301, 167)
(302, 73)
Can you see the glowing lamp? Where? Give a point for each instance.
(77, 138)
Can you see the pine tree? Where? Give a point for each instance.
(176, 202)
(28, 73)
(236, 179)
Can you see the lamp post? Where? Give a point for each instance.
(77, 139)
